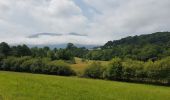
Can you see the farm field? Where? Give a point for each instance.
(24, 86)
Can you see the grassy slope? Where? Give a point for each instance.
(22, 86)
(80, 66)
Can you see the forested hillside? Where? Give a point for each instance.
(144, 47)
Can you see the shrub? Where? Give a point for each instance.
(133, 69)
(115, 70)
(160, 70)
(17, 62)
(7, 63)
(150, 70)
(95, 70)
(163, 68)
(13, 63)
(60, 68)
(36, 66)
(25, 66)
(128, 70)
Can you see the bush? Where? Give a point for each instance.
(114, 70)
(60, 68)
(95, 70)
(159, 70)
(13, 63)
(133, 69)
(36, 66)
(128, 70)
(17, 62)
(150, 70)
(7, 63)
(25, 66)
(163, 71)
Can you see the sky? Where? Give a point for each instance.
(89, 22)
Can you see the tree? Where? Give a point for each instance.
(65, 54)
(26, 50)
(70, 46)
(21, 50)
(51, 55)
(4, 49)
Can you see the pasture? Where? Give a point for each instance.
(24, 86)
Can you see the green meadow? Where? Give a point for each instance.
(24, 86)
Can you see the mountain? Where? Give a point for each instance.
(158, 38)
(143, 47)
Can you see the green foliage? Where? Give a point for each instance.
(75, 51)
(16, 62)
(95, 70)
(114, 70)
(4, 49)
(25, 66)
(133, 69)
(144, 47)
(36, 65)
(64, 54)
(60, 68)
(7, 63)
(157, 72)
(94, 55)
(164, 68)
(159, 69)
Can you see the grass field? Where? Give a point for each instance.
(80, 66)
(23, 86)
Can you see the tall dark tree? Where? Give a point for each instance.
(4, 49)
(21, 50)
(70, 46)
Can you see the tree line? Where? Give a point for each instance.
(67, 53)
(118, 69)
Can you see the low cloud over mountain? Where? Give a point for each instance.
(53, 34)
(43, 34)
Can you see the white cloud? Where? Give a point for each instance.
(107, 19)
(129, 17)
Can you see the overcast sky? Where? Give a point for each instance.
(88, 21)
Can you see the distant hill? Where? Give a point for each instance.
(159, 38)
(142, 47)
